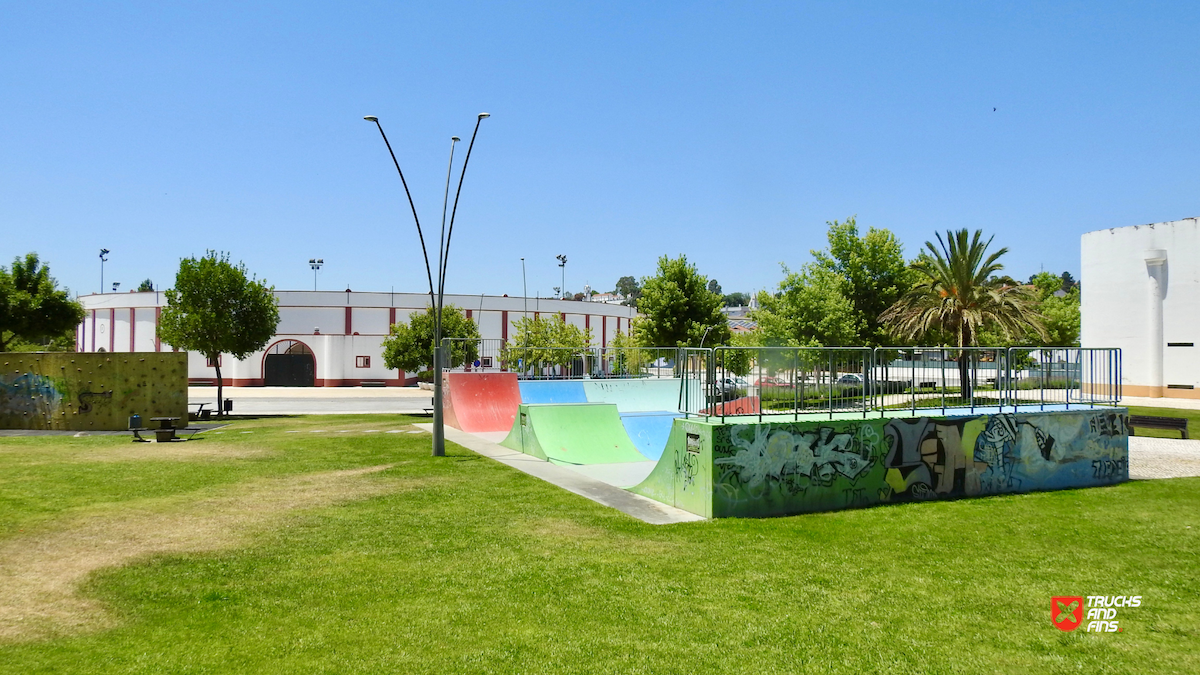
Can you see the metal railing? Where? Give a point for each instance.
(795, 381)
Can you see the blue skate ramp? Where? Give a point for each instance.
(635, 395)
(649, 431)
(552, 391)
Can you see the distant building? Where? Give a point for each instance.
(607, 298)
(326, 338)
(1141, 292)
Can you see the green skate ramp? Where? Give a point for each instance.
(635, 395)
(572, 433)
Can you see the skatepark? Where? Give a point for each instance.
(676, 441)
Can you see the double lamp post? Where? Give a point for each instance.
(436, 292)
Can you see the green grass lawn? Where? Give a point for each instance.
(277, 552)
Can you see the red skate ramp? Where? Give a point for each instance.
(477, 402)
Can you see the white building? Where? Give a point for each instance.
(1141, 292)
(326, 338)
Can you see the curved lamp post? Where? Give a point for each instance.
(436, 292)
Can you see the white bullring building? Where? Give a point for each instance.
(1141, 292)
(327, 338)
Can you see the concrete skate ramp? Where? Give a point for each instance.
(552, 391)
(573, 434)
(478, 402)
(747, 405)
(649, 431)
(635, 395)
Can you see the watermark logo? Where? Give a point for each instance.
(1066, 612)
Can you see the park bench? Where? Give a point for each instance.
(1151, 422)
(201, 413)
(165, 433)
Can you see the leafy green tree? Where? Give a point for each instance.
(874, 273)
(810, 309)
(960, 293)
(678, 308)
(146, 286)
(32, 308)
(714, 287)
(409, 345)
(738, 299)
(626, 356)
(1059, 316)
(545, 341)
(216, 309)
(630, 288)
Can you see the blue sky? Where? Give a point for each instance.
(620, 132)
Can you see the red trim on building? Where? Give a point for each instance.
(112, 334)
(563, 316)
(391, 319)
(469, 315)
(157, 341)
(349, 321)
(604, 331)
(504, 326)
(132, 327)
(587, 321)
(93, 330)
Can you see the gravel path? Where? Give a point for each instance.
(1151, 458)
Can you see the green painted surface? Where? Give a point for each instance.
(683, 475)
(576, 433)
(635, 395)
(90, 392)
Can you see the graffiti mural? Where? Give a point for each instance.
(780, 468)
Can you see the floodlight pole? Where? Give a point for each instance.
(436, 294)
(103, 258)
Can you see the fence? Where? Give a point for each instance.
(731, 381)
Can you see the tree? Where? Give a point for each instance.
(714, 287)
(409, 346)
(32, 308)
(959, 292)
(630, 289)
(545, 341)
(736, 299)
(809, 310)
(874, 272)
(678, 308)
(215, 309)
(146, 286)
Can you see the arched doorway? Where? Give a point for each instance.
(289, 363)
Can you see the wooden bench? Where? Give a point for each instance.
(1151, 422)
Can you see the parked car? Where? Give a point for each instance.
(851, 379)
(769, 381)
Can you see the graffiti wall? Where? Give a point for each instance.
(784, 468)
(98, 392)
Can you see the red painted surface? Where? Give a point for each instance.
(480, 401)
(504, 326)
(132, 327)
(604, 331)
(747, 405)
(391, 319)
(563, 316)
(349, 321)
(93, 330)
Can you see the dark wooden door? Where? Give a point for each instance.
(289, 370)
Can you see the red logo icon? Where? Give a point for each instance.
(1066, 612)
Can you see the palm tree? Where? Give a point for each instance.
(960, 293)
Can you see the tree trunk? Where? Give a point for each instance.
(964, 367)
(217, 363)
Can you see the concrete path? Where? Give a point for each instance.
(642, 508)
(1180, 403)
(1151, 458)
(318, 400)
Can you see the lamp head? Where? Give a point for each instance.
(483, 115)
(455, 139)
(371, 118)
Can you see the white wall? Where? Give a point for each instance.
(1118, 309)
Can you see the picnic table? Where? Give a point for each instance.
(165, 432)
(201, 413)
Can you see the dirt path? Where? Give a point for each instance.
(40, 574)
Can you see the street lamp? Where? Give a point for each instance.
(562, 264)
(116, 285)
(315, 264)
(436, 293)
(103, 259)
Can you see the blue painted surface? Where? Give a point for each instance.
(649, 431)
(552, 391)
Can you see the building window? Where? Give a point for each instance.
(362, 362)
(218, 363)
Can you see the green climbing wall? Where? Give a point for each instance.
(90, 392)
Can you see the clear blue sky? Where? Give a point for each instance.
(621, 131)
